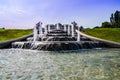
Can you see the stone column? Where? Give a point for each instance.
(40, 28)
(73, 26)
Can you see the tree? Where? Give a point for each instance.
(116, 25)
(97, 27)
(81, 28)
(106, 25)
(117, 16)
(115, 19)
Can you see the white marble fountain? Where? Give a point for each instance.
(56, 38)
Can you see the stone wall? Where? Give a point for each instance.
(7, 44)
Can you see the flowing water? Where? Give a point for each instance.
(20, 64)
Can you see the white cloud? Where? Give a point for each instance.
(5, 10)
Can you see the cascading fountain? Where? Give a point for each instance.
(57, 38)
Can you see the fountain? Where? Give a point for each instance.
(88, 64)
(57, 38)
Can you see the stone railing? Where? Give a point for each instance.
(7, 44)
(108, 43)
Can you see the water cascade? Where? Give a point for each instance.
(57, 39)
(65, 28)
(73, 30)
(78, 35)
(35, 35)
(45, 29)
(69, 29)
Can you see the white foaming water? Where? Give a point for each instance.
(35, 35)
(21, 64)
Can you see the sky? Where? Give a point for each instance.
(25, 14)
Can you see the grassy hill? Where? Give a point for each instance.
(9, 34)
(112, 34)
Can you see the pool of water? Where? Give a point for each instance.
(19, 64)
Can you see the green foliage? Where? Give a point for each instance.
(106, 25)
(116, 25)
(115, 19)
(117, 16)
(112, 34)
(81, 28)
(97, 27)
(9, 34)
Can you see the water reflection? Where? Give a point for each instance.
(19, 64)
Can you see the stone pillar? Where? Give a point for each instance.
(37, 31)
(40, 28)
(47, 28)
(73, 26)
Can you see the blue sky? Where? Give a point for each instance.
(26, 13)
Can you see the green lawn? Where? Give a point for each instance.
(9, 34)
(112, 34)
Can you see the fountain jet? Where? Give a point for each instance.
(57, 39)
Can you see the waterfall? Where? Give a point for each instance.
(35, 35)
(78, 35)
(57, 26)
(69, 29)
(56, 40)
(73, 31)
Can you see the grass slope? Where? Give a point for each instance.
(112, 34)
(9, 34)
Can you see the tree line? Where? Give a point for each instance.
(114, 21)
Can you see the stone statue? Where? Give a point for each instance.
(38, 27)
